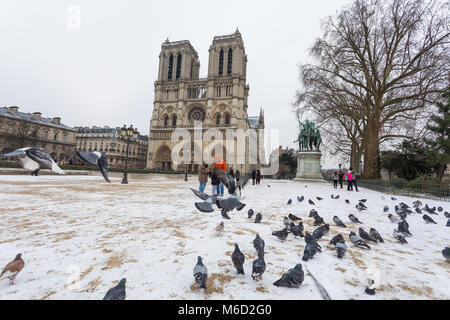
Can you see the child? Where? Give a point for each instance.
(335, 179)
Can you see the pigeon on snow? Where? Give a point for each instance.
(356, 240)
(259, 244)
(282, 234)
(428, 219)
(338, 222)
(258, 218)
(293, 278)
(374, 234)
(399, 236)
(250, 213)
(238, 259)
(353, 218)
(363, 234)
(200, 273)
(12, 269)
(258, 267)
(118, 292)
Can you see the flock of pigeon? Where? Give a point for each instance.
(33, 158)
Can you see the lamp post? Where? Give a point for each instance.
(127, 134)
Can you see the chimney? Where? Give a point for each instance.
(14, 109)
(37, 115)
(56, 120)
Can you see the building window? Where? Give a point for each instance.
(221, 63)
(55, 137)
(174, 122)
(166, 121)
(218, 119)
(169, 74)
(178, 67)
(227, 119)
(65, 138)
(230, 62)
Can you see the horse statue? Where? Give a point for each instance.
(308, 137)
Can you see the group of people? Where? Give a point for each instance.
(256, 176)
(340, 177)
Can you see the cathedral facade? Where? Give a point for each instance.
(195, 118)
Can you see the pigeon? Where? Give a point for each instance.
(311, 202)
(268, 185)
(289, 201)
(311, 248)
(116, 293)
(370, 287)
(258, 243)
(440, 209)
(200, 273)
(293, 278)
(357, 240)
(363, 200)
(393, 219)
(363, 234)
(338, 222)
(286, 222)
(312, 213)
(359, 207)
(238, 259)
(97, 159)
(258, 268)
(341, 248)
(446, 214)
(446, 253)
(332, 196)
(428, 219)
(12, 269)
(336, 239)
(319, 198)
(250, 213)
(392, 198)
(399, 236)
(34, 159)
(321, 231)
(208, 201)
(353, 218)
(293, 217)
(224, 214)
(404, 205)
(282, 234)
(400, 212)
(347, 201)
(337, 197)
(430, 210)
(403, 227)
(318, 221)
(230, 203)
(296, 230)
(300, 199)
(375, 235)
(448, 223)
(258, 218)
(418, 210)
(219, 229)
(385, 209)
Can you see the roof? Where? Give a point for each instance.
(253, 122)
(5, 112)
(106, 130)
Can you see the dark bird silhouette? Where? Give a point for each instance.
(97, 159)
(399, 236)
(319, 198)
(440, 209)
(363, 234)
(258, 268)
(289, 201)
(321, 231)
(403, 227)
(293, 278)
(311, 202)
(238, 259)
(347, 201)
(363, 200)
(259, 244)
(337, 239)
(311, 248)
(385, 209)
(286, 222)
(338, 222)
(393, 219)
(392, 198)
(318, 221)
(296, 230)
(446, 253)
(200, 273)
(282, 234)
(312, 213)
(428, 219)
(258, 218)
(353, 218)
(224, 214)
(341, 248)
(250, 213)
(337, 197)
(12, 269)
(374, 234)
(418, 210)
(293, 217)
(448, 223)
(332, 196)
(300, 199)
(357, 240)
(360, 208)
(118, 292)
(446, 214)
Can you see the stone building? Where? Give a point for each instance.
(19, 129)
(109, 141)
(183, 102)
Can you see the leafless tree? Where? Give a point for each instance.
(25, 132)
(382, 64)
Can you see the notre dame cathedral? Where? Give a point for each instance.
(219, 102)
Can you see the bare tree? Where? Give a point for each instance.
(25, 132)
(386, 62)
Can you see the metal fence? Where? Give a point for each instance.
(428, 190)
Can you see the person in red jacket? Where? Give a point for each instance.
(219, 163)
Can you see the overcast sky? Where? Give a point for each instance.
(103, 72)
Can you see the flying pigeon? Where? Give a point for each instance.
(319, 198)
(428, 219)
(96, 158)
(293, 278)
(289, 201)
(296, 230)
(258, 268)
(374, 234)
(118, 292)
(363, 234)
(353, 218)
(393, 219)
(357, 240)
(238, 259)
(258, 243)
(399, 236)
(250, 213)
(207, 204)
(258, 218)
(282, 234)
(403, 227)
(224, 214)
(12, 269)
(385, 209)
(230, 203)
(338, 222)
(34, 159)
(293, 217)
(200, 273)
(311, 248)
(300, 199)
(446, 253)
(311, 202)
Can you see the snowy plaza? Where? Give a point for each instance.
(79, 236)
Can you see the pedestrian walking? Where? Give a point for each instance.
(253, 176)
(258, 176)
(335, 179)
(219, 163)
(349, 180)
(231, 172)
(341, 177)
(202, 176)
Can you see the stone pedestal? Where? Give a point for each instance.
(308, 166)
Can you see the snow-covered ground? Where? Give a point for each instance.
(79, 235)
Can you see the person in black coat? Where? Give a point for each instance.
(341, 178)
(253, 176)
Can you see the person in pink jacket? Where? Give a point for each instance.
(351, 181)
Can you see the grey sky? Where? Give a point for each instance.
(103, 73)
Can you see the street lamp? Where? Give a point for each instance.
(127, 134)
